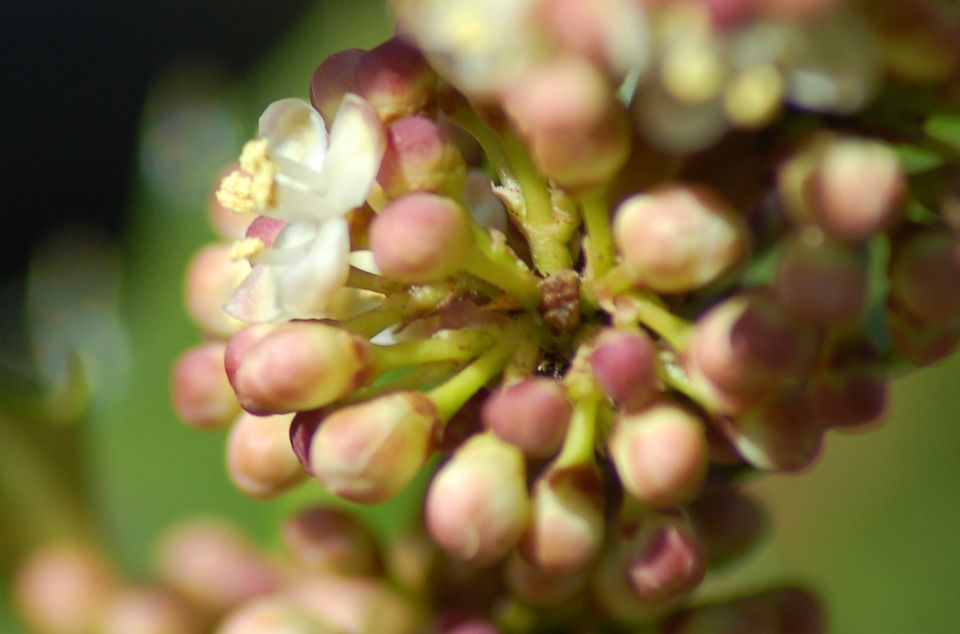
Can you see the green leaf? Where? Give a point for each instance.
(916, 160)
(944, 128)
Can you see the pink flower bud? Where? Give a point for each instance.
(925, 276)
(212, 565)
(147, 610)
(202, 396)
(859, 186)
(666, 563)
(477, 506)
(920, 341)
(822, 281)
(782, 434)
(420, 158)
(330, 540)
(270, 614)
(354, 605)
(62, 588)
(396, 79)
(211, 279)
(729, 523)
(421, 237)
(849, 398)
(299, 366)
(460, 622)
(661, 454)
(678, 238)
(744, 347)
(609, 33)
(333, 78)
(566, 527)
(370, 451)
(260, 462)
(624, 365)
(540, 587)
(532, 415)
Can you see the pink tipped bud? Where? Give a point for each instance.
(729, 523)
(661, 454)
(537, 586)
(227, 223)
(566, 527)
(477, 506)
(148, 611)
(370, 451)
(421, 237)
(330, 540)
(624, 365)
(667, 564)
(678, 238)
(420, 158)
(62, 588)
(532, 415)
(782, 434)
(212, 565)
(849, 398)
(260, 462)
(211, 279)
(822, 281)
(609, 33)
(297, 366)
(925, 276)
(333, 78)
(202, 396)
(746, 346)
(354, 605)
(859, 186)
(396, 79)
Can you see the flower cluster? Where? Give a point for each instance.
(603, 258)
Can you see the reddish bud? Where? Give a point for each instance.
(330, 540)
(661, 454)
(678, 238)
(822, 281)
(541, 587)
(729, 523)
(532, 415)
(202, 395)
(396, 79)
(211, 279)
(477, 506)
(458, 622)
(370, 451)
(624, 364)
(558, 97)
(260, 462)
(421, 237)
(420, 158)
(333, 78)
(782, 434)
(849, 397)
(666, 564)
(920, 341)
(925, 276)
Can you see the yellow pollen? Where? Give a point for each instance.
(235, 194)
(247, 248)
(263, 171)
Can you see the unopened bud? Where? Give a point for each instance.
(334, 77)
(396, 79)
(212, 277)
(420, 158)
(925, 276)
(330, 540)
(822, 281)
(532, 415)
(661, 454)
(202, 395)
(624, 365)
(147, 610)
(609, 33)
(260, 462)
(462, 622)
(370, 451)
(477, 506)
(920, 341)
(270, 614)
(678, 238)
(537, 586)
(298, 366)
(666, 563)
(729, 523)
(782, 434)
(354, 605)
(848, 398)
(787, 610)
(421, 237)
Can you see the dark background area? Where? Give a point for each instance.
(74, 78)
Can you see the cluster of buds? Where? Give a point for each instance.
(602, 258)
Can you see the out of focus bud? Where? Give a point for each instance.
(744, 347)
(297, 366)
(420, 158)
(63, 589)
(678, 238)
(566, 527)
(333, 78)
(624, 365)
(260, 462)
(661, 454)
(148, 610)
(925, 276)
(459, 622)
(421, 237)
(202, 396)
(396, 80)
(848, 398)
(532, 415)
(330, 540)
(212, 278)
(354, 605)
(477, 506)
(787, 610)
(370, 451)
(920, 341)
(728, 523)
(271, 614)
(541, 587)
(609, 33)
(212, 565)
(822, 281)
(858, 187)
(665, 563)
(782, 434)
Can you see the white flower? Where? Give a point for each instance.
(295, 174)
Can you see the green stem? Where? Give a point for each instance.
(358, 278)
(459, 345)
(496, 264)
(579, 444)
(652, 313)
(396, 308)
(451, 395)
(596, 219)
(465, 117)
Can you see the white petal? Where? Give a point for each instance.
(255, 300)
(294, 130)
(306, 287)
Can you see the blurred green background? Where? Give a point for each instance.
(874, 526)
